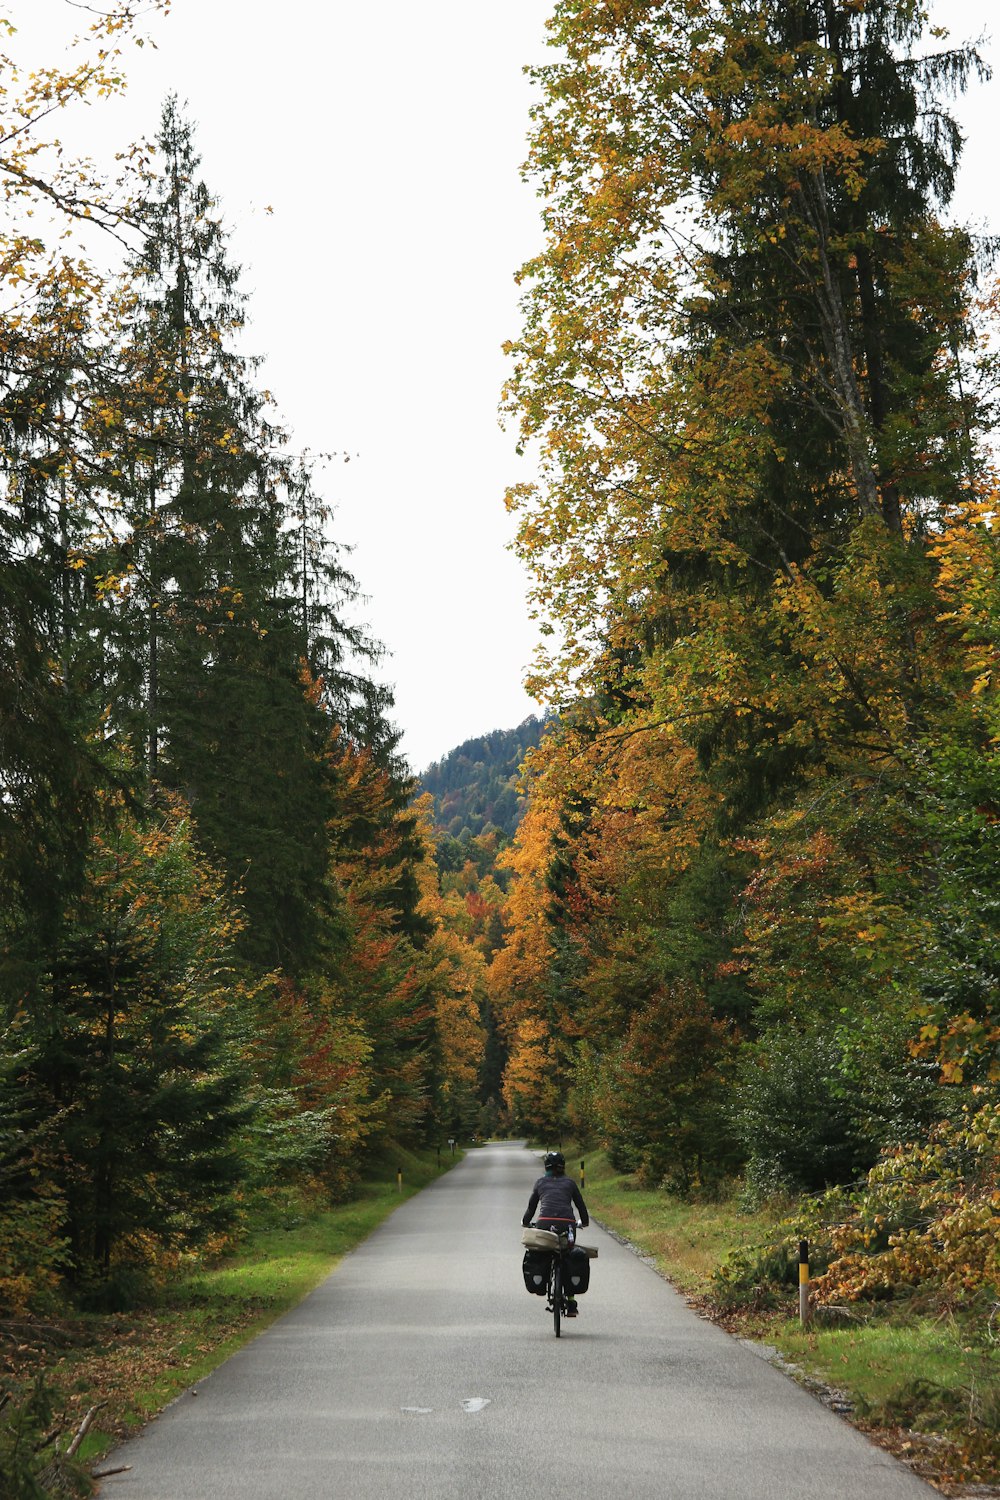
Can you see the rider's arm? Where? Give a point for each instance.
(529, 1212)
(580, 1207)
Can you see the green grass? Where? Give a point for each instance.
(687, 1240)
(277, 1267)
(908, 1372)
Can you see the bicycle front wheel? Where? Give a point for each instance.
(557, 1294)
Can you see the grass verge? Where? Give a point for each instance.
(686, 1240)
(925, 1386)
(136, 1362)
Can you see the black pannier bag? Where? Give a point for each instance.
(576, 1271)
(535, 1267)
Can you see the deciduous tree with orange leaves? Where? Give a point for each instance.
(750, 373)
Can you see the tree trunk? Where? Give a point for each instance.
(836, 336)
(153, 663)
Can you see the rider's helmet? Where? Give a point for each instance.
(554, 1161)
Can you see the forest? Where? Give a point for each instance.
(728, 907)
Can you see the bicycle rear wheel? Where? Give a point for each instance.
(557, 1294)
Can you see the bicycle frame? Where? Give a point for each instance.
(556, 1289)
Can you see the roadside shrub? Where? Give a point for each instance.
(756, 1277)
(32, 1253)
(924, 1224)
(928, 1218)
(765, 1275)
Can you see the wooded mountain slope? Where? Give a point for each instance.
(476, 786)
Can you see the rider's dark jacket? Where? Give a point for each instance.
(555, 1198)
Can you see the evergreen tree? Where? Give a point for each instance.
(48, 654)
(130, 1048)
(341, 654)
(213, 646)
(476, 785)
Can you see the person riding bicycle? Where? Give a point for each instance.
(555, 1196)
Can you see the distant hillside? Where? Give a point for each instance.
(475, 786)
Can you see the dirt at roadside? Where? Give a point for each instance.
(105, 1360)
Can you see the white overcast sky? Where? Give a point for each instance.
(387, 139)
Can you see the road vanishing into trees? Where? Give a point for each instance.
(422, 1370)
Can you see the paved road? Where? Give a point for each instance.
(422, 1370)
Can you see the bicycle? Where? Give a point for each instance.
(555, 1291)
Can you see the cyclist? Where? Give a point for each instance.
(555, 1196)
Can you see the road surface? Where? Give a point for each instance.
(422, 1370)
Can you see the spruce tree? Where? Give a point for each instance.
(50, 656)
(216, 687)
(131, 1048)
(842, 272)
